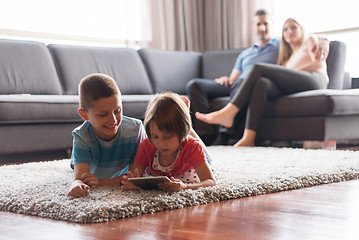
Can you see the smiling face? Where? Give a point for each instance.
(166, 143)
(263, 26)
(292, 33)
(105, 116)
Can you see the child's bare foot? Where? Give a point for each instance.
(223, 117)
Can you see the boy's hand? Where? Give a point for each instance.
(90, 179)
(174, 186)
(127, 185)
(78, 189)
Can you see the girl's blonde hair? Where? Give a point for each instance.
(170, 114)
(285, 50)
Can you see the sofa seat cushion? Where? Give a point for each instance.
(324, 102)
(39, 109)
(23, 108)
(124, 65)
(27, 67)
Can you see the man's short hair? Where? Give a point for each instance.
(261, 12)
(96, 86)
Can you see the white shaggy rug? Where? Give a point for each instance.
(40, 188)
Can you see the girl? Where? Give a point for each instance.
(169, 149)
(303, 68)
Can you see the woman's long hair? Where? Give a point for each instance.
(285, 51)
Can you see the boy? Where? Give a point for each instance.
(106, 143)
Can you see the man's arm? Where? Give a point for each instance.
(225, 80)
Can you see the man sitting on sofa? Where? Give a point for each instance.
(202, 91)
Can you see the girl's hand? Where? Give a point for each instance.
(174, 186)
(90, 179)
(127, 185)
(78, 189)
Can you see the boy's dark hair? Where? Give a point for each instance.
(261, 12)
(95, 86)
(170, 114)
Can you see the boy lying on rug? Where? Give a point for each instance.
(106, 143)
(169, 149)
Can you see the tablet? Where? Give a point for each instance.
(149, 182)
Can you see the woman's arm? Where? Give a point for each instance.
(315, 49)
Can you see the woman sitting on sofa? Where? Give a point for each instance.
(302, 67)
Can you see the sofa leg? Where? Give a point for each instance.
(331, 145)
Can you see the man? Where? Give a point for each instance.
(202, 91)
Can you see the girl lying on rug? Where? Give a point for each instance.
(169, 150)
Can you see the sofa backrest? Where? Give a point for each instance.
(27, 68)
(218, 63)
(171, 70)
(336, 64)
(124, 65)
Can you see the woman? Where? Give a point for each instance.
(301, 67)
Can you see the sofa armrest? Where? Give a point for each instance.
(347, 81)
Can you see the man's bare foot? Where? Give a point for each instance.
(223, 117)
(248, 139)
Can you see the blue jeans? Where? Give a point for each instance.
(201, 92)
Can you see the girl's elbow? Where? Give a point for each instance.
(212, 182)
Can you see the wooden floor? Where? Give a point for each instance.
(323, 212)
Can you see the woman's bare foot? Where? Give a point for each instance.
(248, 139)
(223, 117)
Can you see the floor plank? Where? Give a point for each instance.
(328, 211)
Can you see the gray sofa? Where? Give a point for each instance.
(38, 94)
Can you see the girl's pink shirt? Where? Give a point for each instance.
(300, 58)
(191, 156)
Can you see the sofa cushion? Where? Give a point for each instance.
(323, 102)
(124, 65)
(27, 67)
(171, 70)
(218, 63)
(135, 105)
(24, 108)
